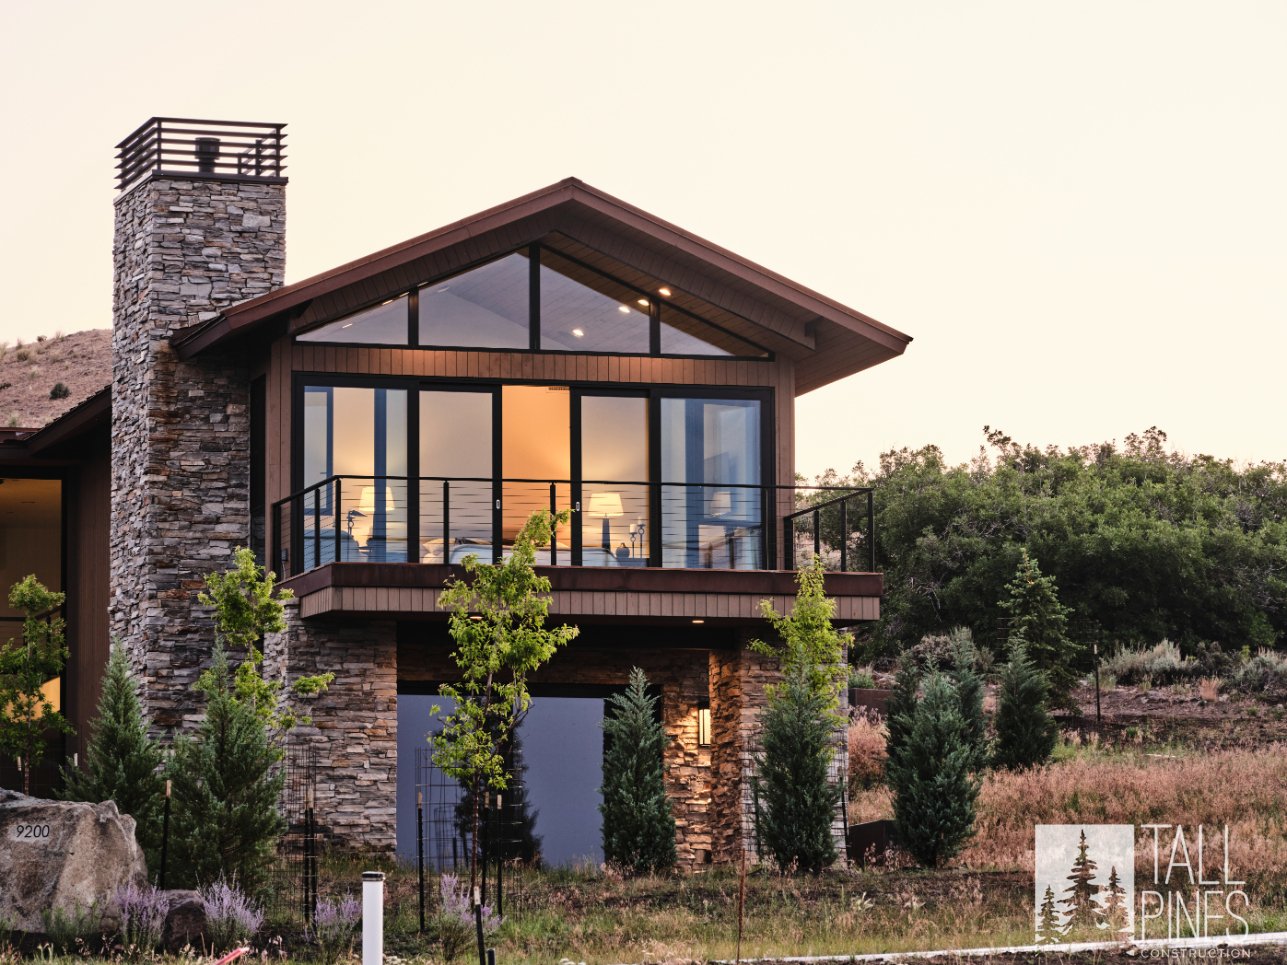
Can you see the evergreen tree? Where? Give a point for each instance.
(1080, 908)
(902, 703)
(969, 688)
(1039, 620)
(226, 789)
(1048, 927)
(795, 796)
(932, 777)
(638, 827)
(1114, 913)
(1026, 733)
(122, 763)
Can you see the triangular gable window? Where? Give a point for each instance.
(685, 334)
(383, 324)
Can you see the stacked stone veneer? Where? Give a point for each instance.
(184, 248)
(353, 726)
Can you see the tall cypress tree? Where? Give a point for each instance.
(795, 796)
(902, 703)
(1026, 733)
(122, 763)
(638, 827)
(969, 689)
(932, 777)
(226, 789)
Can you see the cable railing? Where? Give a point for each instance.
(614, 523)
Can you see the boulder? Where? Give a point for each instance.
(63, 854)
(185, 921)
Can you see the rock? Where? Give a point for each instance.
(63, 854)
(185, 920)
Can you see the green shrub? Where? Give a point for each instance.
(1040, 621)
(1263, 676)
(70, 928)
(861, 678)
(1161, 666)
(932, 777)
(638, 827)
(1026, 733)
(794, 794)
(59, 391)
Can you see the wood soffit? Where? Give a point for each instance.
(571, 215)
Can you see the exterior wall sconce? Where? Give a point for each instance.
(704, 722)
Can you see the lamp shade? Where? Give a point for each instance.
(366, 500)
(721, 502)
(605, 505)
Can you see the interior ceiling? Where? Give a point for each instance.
(30, 502)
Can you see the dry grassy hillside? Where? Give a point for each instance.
(29, 372)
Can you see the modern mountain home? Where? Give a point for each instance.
(366, 429)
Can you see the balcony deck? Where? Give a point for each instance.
(585, 594)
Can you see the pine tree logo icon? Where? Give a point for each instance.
(1074, 898)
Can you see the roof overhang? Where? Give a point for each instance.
(827, 340)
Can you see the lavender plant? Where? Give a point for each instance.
(142, 911)
(231, 917)
(454, 922)
(335, 926)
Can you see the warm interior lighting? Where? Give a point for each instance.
(664, 291)
(698, 620)
(643, 302)
(704, 723)
(366, 501)
(606, 505)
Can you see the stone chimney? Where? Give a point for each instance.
(200, 226)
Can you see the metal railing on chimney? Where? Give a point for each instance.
(183, 146)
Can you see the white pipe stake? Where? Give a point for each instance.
(373, 918)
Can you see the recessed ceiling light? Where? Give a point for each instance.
(347, 325)
(578, 333)
(699, 620)
(643, 302)
(664, 291)
(624, 309)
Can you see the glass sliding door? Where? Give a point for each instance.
(711, 503)
(615, 507)
(358, 434)
(457, 470)
(536, 454)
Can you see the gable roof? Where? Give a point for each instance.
(827, 340)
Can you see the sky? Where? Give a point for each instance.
(1078, 211)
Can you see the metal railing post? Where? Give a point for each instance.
(871, 531)
(788, 543)
(554, 538)
(337, 506)
(817, 532)
(844, 534)
(446, 521)
(277, 540)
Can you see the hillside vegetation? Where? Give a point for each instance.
(1144, 543)
(31, 371)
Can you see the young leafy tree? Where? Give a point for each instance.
(497, 623)
(1026, 733)
(247, 605)
(226, 786)
(26, 713)
(807, 639)
(1041, 622)
(933, 778)
(638, 827)
(122, 763)
(795, 796)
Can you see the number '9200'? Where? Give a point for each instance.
(30, 832)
